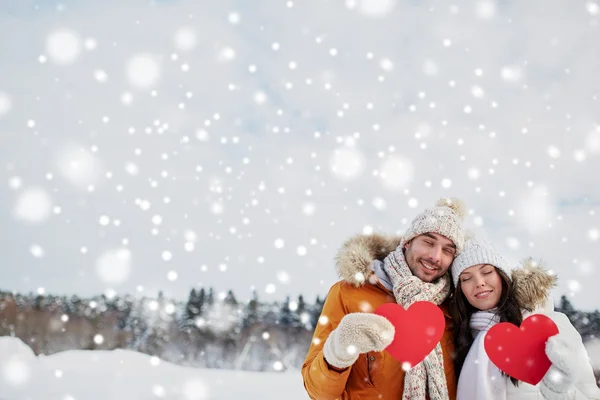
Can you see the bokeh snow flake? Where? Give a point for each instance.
(234, 18)
(114, 266)
(586, 268)
(172, 276)
(430, 68)
(513, 243)
(154, 361)
(15, 371)
(126, 98)
(90, 44)
(159, 391)
(485, 9)
(37, 251)
(217, 208)
(477, 91)
(308, 209)
(375, 8)
(446, 183)
(553, 151)
(574, 285)
(34, 205)
(5, 103)
(592, 142)
(473, 173)
(226, 54)
(63, 46)
(190, 236)
(143, 70)
(535, 209)
(396, 172)
(386, 64)
(278, 366)
(195, 389)
(511, 73)
(346, 163)
(79, 166)
(270, 288)
(260, 97)
(379, 203)
(592, 8)
(185, 39)
(98, 339)
(283, 277)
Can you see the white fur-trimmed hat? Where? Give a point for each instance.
(445, 218)
(477, 251)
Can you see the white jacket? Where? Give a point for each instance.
(532, 286)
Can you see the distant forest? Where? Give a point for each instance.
(207, 330)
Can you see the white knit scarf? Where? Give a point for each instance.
(428, 376)
(479, 377)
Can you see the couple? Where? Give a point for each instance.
(473, 286)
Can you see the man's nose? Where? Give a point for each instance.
(436, 254)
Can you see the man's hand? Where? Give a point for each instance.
(357, 333)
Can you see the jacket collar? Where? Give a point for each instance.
(532, 282)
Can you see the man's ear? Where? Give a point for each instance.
(406, 244)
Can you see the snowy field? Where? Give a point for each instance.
(127, 375)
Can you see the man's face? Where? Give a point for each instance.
(429, 256)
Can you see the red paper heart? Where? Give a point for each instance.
(418, 330)
(521, 351)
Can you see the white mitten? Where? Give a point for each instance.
(557, 385)
(357, 333)
(563, 350)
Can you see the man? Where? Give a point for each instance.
(345, 360)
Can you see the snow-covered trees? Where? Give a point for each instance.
(208, 329)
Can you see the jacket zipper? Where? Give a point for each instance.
(369, 369)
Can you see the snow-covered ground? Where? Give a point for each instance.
(127, 375)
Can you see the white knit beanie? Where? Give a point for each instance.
(478, 251)
(445, 219)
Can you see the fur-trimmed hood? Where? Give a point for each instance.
(532, 282)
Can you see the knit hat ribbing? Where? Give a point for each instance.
(445, 219)
(478, 251)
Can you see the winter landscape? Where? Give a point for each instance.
(176, 177)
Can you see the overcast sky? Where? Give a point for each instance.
(176, 144)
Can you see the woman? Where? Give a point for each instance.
(488, 291)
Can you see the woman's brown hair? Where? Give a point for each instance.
(461, 310)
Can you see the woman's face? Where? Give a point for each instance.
(482, 286)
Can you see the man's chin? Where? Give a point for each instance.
(427, 278)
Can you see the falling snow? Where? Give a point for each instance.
(63, 46)
(232, 152)
(33, 205)
(143, 70)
